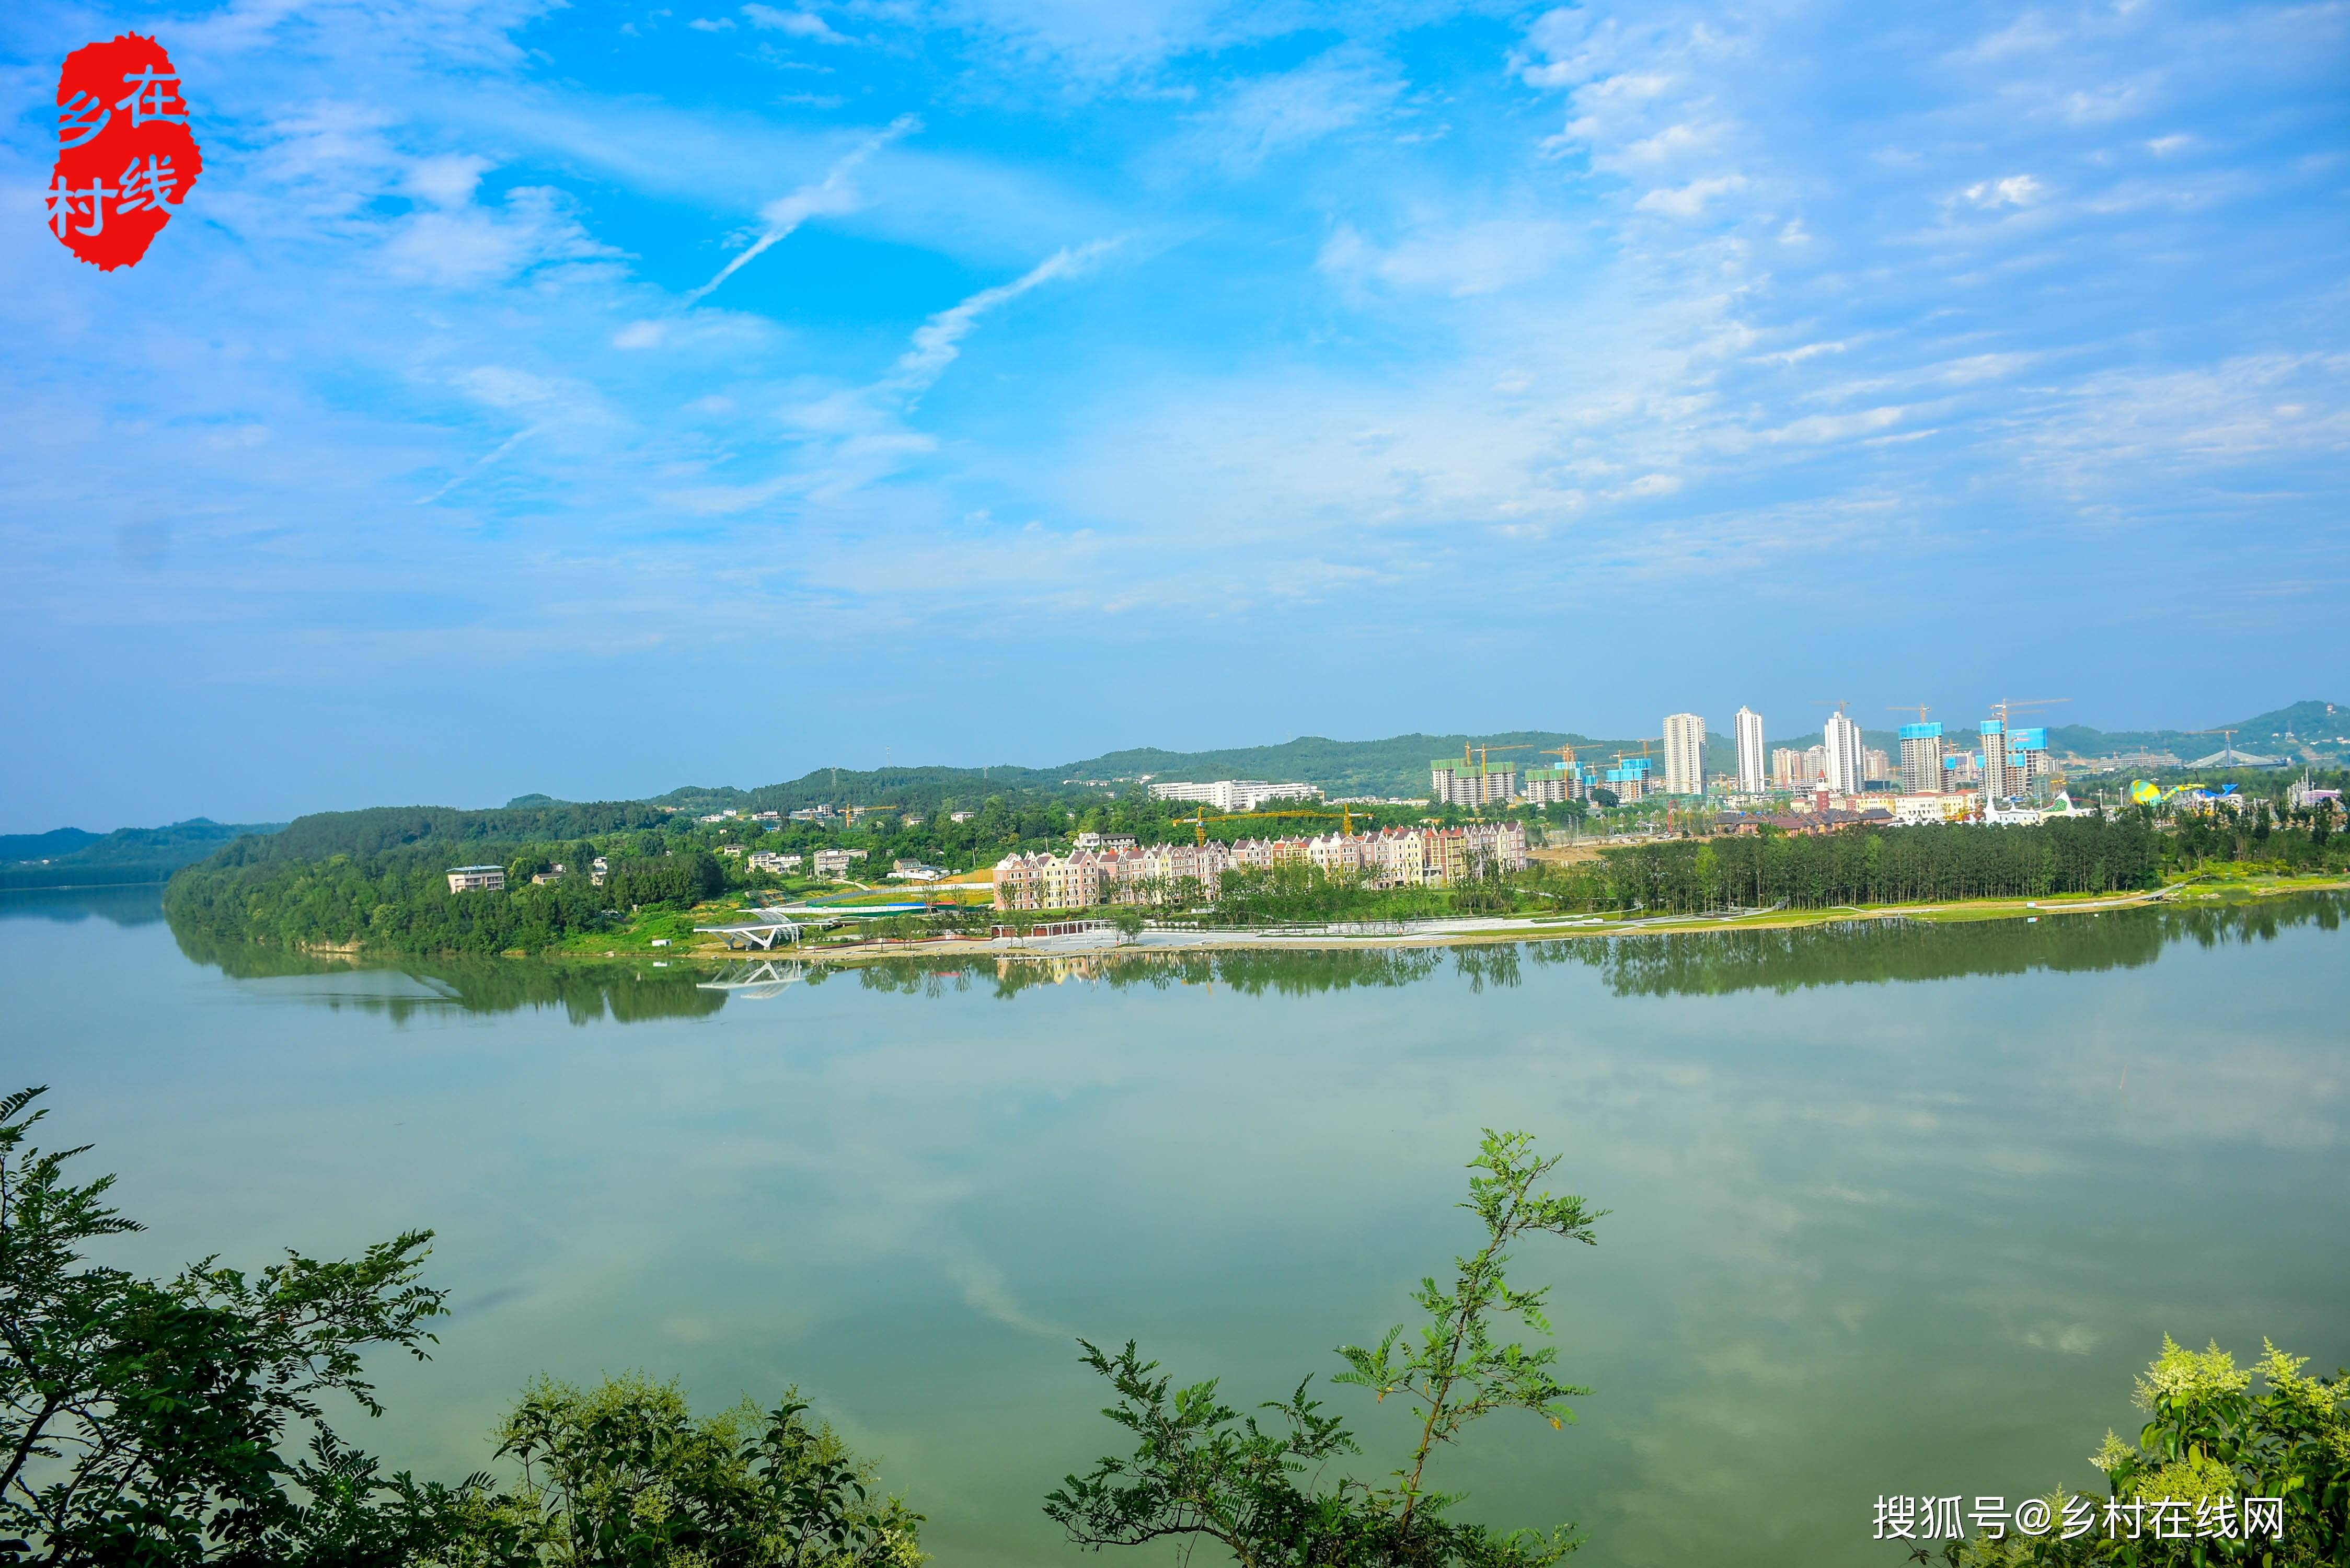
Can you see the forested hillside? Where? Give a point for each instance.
(70, 858)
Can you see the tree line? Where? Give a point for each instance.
(1883, 866)
(398, 900)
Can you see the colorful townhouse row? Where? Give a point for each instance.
(1123, 872)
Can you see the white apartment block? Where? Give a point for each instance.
(1843, 765)
(1393, 857)
(1921, 758)
(1684, 755)
(832, 864)
(1235, 794)
(1751, 779)
(1472, 784)
(477, 878)
(1547, 786)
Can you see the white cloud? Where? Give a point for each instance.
(1688, 201)
(2029, 34)
(1822, 428)
(448, 181)
(1267, 115)
(797, 23)
(713, 25)
(939, 340)
(1473, 258)
(834, 195)
(2014, 190)
(466, 246)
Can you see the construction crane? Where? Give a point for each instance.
(2228, 749)
(1918, 708)
(1483, 751)
(1344, 817)
(2005, 706)
(1566, 755)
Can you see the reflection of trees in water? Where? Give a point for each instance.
(1848, 952)
(1851, 952)
(1282, 971)
(138, 906)
(1873, 951)
(1480, 964)
(585, 993)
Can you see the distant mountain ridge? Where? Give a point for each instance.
(73, 857)
(1397, 765)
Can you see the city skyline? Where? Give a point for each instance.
(583, 399)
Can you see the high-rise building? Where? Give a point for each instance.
(1843, 762)
(2027, 758)
(1921, 759)
(1684, 755)
(1628, 779)
(1749, 725)
(1875, 765)
(1786, 768)
(1473, 785)
(1996, 785)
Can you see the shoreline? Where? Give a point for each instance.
(1471, 931)
(1446, 932)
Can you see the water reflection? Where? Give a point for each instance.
(1852, 953)
(585, 993)
(1868, 1238)
(134, 905)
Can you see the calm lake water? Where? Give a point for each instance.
(1894, 1210)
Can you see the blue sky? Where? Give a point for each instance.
(595, 398)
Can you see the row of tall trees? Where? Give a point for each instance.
(1898, 864)
(2267, 833)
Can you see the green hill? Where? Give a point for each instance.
(71, 857)
(1397, 766)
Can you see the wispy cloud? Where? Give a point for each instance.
(1386, 335)
(939, 340)
(834, 195)
(798, 24)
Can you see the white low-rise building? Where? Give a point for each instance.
(477, 878)
(832, 864)
(1235, 794)
(1163, 873)
(1919, 810)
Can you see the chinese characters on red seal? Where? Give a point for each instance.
(125, 157)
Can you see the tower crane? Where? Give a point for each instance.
(2228, 747)
(1485, 750)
